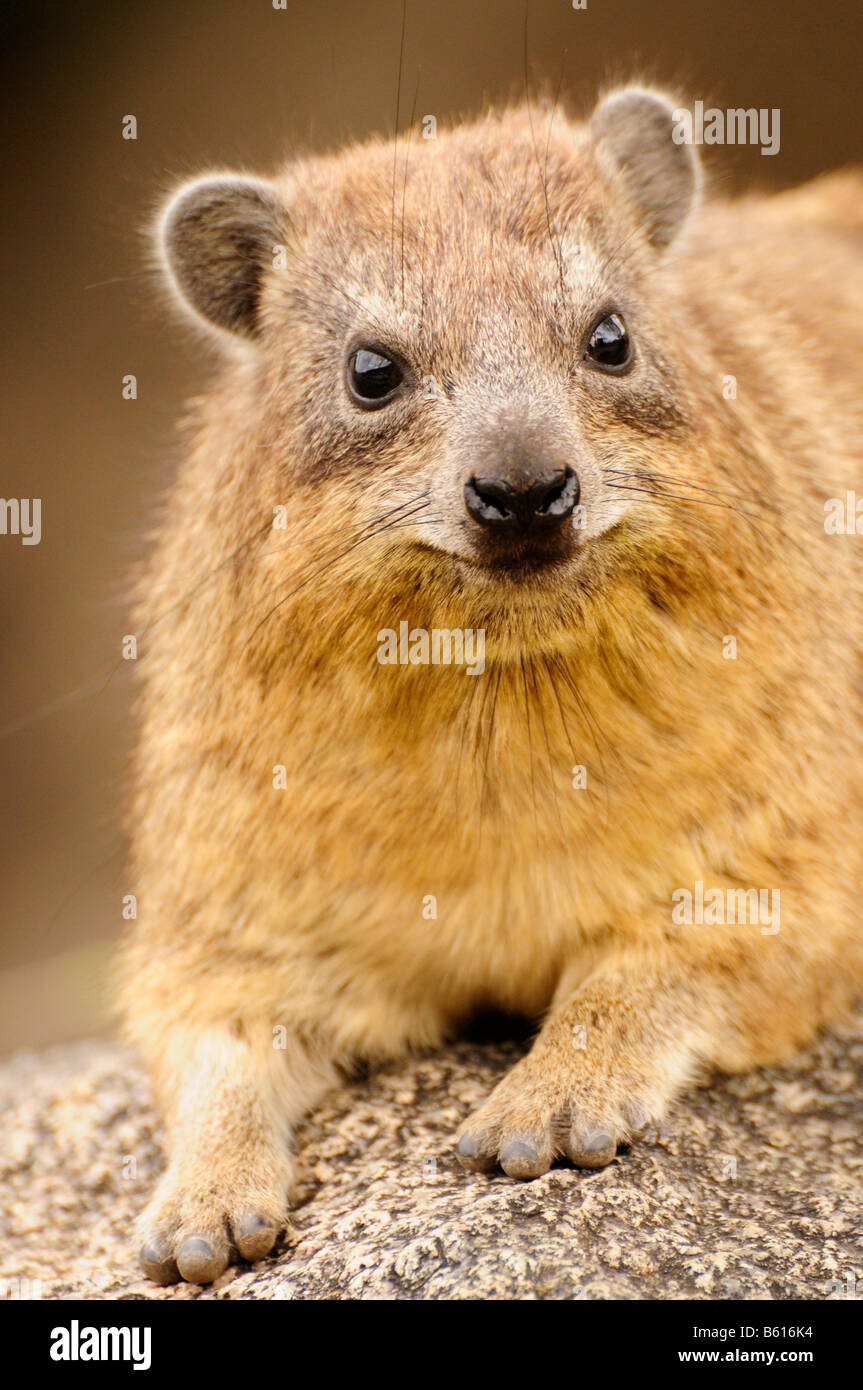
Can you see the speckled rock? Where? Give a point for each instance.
(752, 1190)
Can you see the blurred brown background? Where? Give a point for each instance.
(225, 82)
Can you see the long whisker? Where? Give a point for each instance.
(563, 722)
(543, 184)
(461, 761)
(233, 556)
(597, 736)
(551, 766)
(405, 184)
(478, 761)
(101, 682)
(351, 534)
(545, 163)
(660, 493)
(396, 141)
(530, 748)
(322, 569)
(651, 476)
(488, 742)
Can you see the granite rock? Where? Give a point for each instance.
(752, 1189)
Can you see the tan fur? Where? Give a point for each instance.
(301, 909)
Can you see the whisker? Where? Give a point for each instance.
(488, 742)
(461, 760)
(596, 734)
(479, 760)
(101, 682)
(322, 569)
(543, 184)
(649, 475)
(551, 765)
(661, 495)
(269, 550)
(396, 142)
(350, 534)
(405, 184)
(530, 748)
(564, 725)
(25, 721)
(756, 520)
(545, 164)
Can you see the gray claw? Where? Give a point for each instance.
(519, 1159)
(254, 1236)
(198, 1262)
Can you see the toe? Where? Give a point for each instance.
(520, 1158)
(200, 1260)
(466, 1147)
(636, 1119)
(592, 1148)
(157, 1261)
(255, 1235)
(472, 1155)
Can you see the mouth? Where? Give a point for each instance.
(520, 564)
(525, 571)
(516, 566)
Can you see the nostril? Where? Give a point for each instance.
(553, 495)
(489, 501)
(556, 495)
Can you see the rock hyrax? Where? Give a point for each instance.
(499, 651)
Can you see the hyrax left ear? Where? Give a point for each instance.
(218, 235)
(634, 132)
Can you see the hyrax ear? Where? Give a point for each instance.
(217, 236)
(638, 145)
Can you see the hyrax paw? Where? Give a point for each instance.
(197, 1221)
(529, 1121)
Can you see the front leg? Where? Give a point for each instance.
(618, 1047)
(610, 1056)
(231, 1098)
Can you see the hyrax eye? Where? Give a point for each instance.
(373, 378)
(609, 345)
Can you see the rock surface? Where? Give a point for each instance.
(752, 1190)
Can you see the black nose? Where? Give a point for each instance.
(523, 501)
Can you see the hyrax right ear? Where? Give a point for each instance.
(635, 140)
(217, 236)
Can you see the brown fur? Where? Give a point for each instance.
(302, 908)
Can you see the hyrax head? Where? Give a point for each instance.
(468, 344)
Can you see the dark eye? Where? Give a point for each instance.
(610, 345)
(372, 377)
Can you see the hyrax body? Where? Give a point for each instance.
(521, 381)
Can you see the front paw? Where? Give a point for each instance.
(204, 1212)
(538, 1113)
